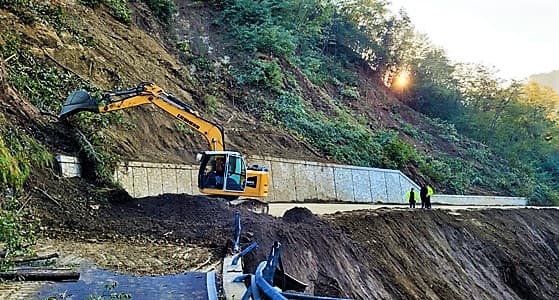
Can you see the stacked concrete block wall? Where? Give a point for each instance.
(298, 181)
(142, 179)
(304, 181)
(290, 181)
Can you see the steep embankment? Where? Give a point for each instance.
(66, 45)
(486, 254)
(77, 52)
(371, 254)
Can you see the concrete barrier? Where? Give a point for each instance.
(306, 181)
(290, 181)
(68, 166)
(294, 181)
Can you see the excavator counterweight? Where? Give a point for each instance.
(222, 173)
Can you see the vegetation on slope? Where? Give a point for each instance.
(324, 71)
(19, 153)
(519, 154)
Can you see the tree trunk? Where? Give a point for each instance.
(33, 274)
(18, 260)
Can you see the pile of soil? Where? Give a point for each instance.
(388, 254)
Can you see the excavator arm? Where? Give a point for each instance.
(146, 93)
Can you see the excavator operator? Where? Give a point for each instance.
(219, 171)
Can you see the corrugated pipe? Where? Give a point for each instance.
(267, 289)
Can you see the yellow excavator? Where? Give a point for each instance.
(222, 173)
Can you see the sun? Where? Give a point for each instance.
(402, 79)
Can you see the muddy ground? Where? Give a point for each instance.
(380, 254)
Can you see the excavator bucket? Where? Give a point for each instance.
(78, 101)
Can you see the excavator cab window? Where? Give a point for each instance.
(219, 170)
(223, 172)
(236, 174)
(212, 171)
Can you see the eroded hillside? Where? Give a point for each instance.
(68, 45)
(99, 50)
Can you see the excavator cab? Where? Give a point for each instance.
(226, 174)
(223, 171)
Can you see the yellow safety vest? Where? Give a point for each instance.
(415, 196)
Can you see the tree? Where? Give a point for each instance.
(435, 90)
(374, 32)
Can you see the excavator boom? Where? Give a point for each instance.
(145, 93)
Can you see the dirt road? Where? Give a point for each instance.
(278, 209)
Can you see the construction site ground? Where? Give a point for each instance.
(384, 253)
(278, 209)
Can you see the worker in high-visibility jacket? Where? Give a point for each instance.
(430, 192)
(411, 197)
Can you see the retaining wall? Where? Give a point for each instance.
(297, 181)
(142, 179)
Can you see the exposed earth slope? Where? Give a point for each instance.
(63, 51)
(369, 254)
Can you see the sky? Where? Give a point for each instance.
(518, 37)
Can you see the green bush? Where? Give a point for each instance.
(211, 103)
(18, 153)
(411, 130)
(343, 139)
(396, 152)
(96, 145)
(30, 11)
(350, 92)
(164, 10)
(184, 47)
(10, 44)
(261, 73)
(435, 169)
(259, 26)
(120, 10)
(10, 173)
(38, 82)
(47, 87)
(91, 3)
(544, 195)
(17, 233)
